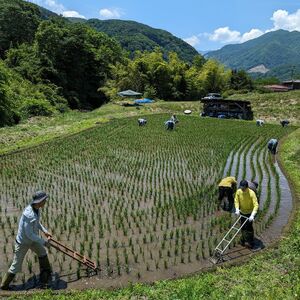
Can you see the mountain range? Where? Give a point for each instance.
(132, 36)
(135, 36)
(274, 54)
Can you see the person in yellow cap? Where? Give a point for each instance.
(246, 204)
(227, 188)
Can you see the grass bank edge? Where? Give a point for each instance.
(272, 106)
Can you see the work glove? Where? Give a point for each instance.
(48, 235)
(251, 218)
(237, 211)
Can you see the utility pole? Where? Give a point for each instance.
(292, 73)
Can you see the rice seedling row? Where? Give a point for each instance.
(138, 200)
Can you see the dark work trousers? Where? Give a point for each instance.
(247, 231)
(272, 148)
(226, 198)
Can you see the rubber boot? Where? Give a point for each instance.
(249, 238)
(45, 269)
(7, 279)
(231, 205)
(243, 239)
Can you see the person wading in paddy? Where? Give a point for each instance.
(28, 238)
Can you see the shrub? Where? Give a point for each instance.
(35, 107)
(52, 94)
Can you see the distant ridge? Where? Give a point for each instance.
(131, 35)
(278, 51)
(137, 36)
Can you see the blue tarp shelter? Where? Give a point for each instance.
(145, 100)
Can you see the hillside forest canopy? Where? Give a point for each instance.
(49, 65)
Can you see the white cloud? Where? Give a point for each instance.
(38, 2)
(110, 13)
(58, 8)
(193, 40)
(72, 14)
(283, 20)
(252, 34)
(225, 35)
(54, 6)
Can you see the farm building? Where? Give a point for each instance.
(235, 109)
(292, 84)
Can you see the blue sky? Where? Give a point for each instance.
(206, 25)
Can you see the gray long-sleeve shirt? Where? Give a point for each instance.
(29, 227)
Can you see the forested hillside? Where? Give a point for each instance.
(135, 36)
(49, 65)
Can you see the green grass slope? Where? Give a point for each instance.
(273, 107)
(40, 129)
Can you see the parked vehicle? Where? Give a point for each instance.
(213, 96)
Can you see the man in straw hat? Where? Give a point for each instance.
(28, 238)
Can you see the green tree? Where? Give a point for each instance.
(78, 59)
(205, 78)
(199, 61)
(178, 70)
(6, 106)
(215, 76)
(19, 21)
(151, 74)
(240, 80)
(21, 99)
(195, 83)
(25, 61)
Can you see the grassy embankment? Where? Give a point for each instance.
(40, 129)
(271, 107)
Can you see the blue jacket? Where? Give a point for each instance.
(170, 124)
(29, 227)
(272, 144)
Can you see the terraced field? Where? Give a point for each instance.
(141, 201)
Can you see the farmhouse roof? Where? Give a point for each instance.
(277, 87)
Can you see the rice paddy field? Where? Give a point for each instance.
(140, 201)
